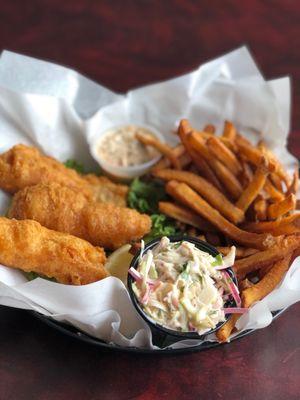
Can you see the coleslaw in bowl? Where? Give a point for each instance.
(183, 287)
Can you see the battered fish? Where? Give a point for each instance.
(63, 209)
(23, 166)
(29, 246)
(106, 191)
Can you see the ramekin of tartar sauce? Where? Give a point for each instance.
(180, 287)
(120, 154)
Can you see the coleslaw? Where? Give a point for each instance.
(182, 287)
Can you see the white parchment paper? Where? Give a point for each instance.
(63, 113)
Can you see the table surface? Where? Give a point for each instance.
(124, 44)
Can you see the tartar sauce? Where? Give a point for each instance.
(181, 288)
(120, 147)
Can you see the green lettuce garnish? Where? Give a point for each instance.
(144, 196)
(161, 226)
(73, 164)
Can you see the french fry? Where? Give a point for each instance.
(254, 187)
(224, 332)
(289, 229)
(268, 283)
(209, 128)
(230, 182)
(223, 154)
(208, 191)
(229, 130)
(186, 216)
(268, 226)
(298, 205)
(276, 181)
(254, 155)
(261, 259)
(278, 168)
(246, 174)
(178, 151)
(280, 208)
(163, 148)
(274, 193)
(205, 170)
(293, 188)
(245, 284)
(260, 208)
(240, 252)
(202, 237)
(186, 195)
(264, 270)
(252, 294)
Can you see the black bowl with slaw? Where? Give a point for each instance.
(163, 336)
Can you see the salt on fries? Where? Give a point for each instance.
(233, 192)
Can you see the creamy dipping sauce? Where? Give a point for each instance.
(120, 147)
(180, 286)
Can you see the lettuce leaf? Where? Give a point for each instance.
(73, 164)
(144, 196)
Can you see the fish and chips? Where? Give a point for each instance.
(221, 189)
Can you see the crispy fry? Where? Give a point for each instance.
(280, 208)
(179, 152)
(246, 174)
(240, 252)
(225, 331)
(205, 170)
(269, 226)
(239, 139)
(264, 270)
(274, 193)
(293, 188)
(254, 155)
(184, 131)
(209, 128)
(289, 229)
(227, 178)
(183, 193)
(208, 191)
(229, 130)
(261, 259)
(276, 181)
(33, 248)
(278, 168)
(186, 216)
(163, 148)
(260, 208)
(223, 154)
(202, 237)
(268, 282)
(245, 284)
(254, 187)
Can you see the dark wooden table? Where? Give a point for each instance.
(124, 44)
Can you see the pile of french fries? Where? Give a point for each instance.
(230, 192)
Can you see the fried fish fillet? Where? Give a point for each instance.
(23, 166)
(63, 209)
(29, 246)
(106, 191)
